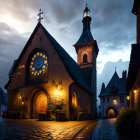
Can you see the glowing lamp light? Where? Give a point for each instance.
(22, 102)
(115, 102)
(135, 91)
(128, 97)
(56, 92)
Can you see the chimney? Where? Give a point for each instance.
(124, 74)
(102, 88)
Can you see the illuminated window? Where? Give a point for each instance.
(74, 99)
(39, 64)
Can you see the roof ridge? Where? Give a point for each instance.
(72, 70)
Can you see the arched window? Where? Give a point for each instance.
(85, 58)
(74, 99)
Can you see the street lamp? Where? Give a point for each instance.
(115, 102)
(128, 97)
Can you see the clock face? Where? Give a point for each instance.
(39, 64)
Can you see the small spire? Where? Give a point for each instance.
(40, 15)
(115, 68)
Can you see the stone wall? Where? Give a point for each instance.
(106, 103)
(58, 79)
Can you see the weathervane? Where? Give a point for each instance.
(40, 17)
(86, 4)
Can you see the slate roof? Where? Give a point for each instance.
(133, 65)
(13, 67)
(115, 81)
(71, 66)
(85, 37)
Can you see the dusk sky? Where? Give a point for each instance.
(113, 26)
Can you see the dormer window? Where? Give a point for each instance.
(85, 58)
(113, 89)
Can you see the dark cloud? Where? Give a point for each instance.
(113, 25)
(11, 44)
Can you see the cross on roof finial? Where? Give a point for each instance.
(40, 17)
(86, 4)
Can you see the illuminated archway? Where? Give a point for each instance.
(74, 99)
(111, 113)
(41, 103)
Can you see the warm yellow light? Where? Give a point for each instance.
(31, 63)
(34, 55)
(115, 102)
(22, 102)
(20, 97)
(85, 13)
(45, 62)
(56, 91)
(44, 67)
(135, 91)
(33, 58)
(74, 100)
(38, 53)
(32, 72)
(30, 66)
(33, 69)
(43, 56)
(128, 97)
(40, 71)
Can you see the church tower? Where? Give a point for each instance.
(87, 51)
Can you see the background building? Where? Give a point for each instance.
(114, 96)
(3, 101)
(46, 79)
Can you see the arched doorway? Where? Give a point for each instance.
(39, 104)
(73, 107)
(111, 113)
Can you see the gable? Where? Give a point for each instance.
(70, 65)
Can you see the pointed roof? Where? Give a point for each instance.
(71, 66)
(85, 37)
(119, 83)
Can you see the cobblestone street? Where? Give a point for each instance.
(33, 129)
(106, 130)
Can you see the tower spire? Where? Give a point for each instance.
(86, 18)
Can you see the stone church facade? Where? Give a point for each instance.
(46, 79)
(114, 96)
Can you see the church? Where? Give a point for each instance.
(46, 81)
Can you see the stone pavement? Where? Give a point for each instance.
(106, 130)
(33, 129)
